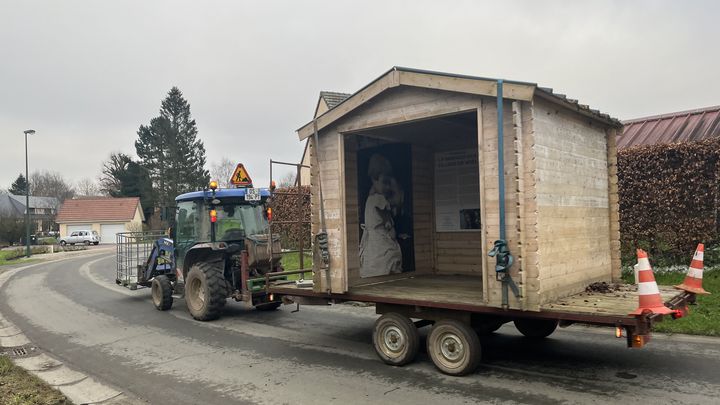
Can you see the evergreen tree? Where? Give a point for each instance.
(169, 148)
(135, 182)
(19, 186)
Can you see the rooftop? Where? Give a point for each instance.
(681, 126)
(98, 209)
(402, 76)
(332, 98)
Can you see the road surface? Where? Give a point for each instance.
(73, 310)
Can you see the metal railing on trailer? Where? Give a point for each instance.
(298, 221)
(132, 252)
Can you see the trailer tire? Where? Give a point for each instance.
(487, 328)
(454, 347)
(162, 293)
(270, 306)
(396, 339)
(536, 328)
(205, 290)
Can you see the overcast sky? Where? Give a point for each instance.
(86, 74)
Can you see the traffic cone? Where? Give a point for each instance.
(693, 279)
(648, 292)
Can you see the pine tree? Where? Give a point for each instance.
(169, 148)
(19, 186)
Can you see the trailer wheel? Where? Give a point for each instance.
(454, 347)
(396, 339)
(536, 328)
(205, 291)
(162, 293)
(487, 328)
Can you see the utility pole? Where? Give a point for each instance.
(27, 196)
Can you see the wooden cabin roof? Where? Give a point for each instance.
(402, 76)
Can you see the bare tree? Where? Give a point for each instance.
(87, 187)
(287, 180)
(222, 171)
(50, 184)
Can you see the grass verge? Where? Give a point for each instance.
(704, 318)
(17, 387)
(291, 261)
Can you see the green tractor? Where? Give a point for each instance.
(220, 249)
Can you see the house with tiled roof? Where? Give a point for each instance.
(107, 216)
(682, 126)
(42, 210)
(326, 102)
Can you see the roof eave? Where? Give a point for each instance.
(400, 76)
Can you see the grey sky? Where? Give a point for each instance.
(86, 74)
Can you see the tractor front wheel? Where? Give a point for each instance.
(205, 291)
(162, 293)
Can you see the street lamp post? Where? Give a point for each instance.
(27, 196)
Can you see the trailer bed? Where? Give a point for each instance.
(464, 293)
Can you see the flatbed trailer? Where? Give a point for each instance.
(425, 300)
(466, 202)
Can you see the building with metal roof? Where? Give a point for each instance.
(682, 126)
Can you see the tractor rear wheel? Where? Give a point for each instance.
(205, 290)
(162, 293)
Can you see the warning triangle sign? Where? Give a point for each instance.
(240, 177)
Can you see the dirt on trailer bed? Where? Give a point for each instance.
(609, 288)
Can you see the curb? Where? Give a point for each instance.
(80, 388)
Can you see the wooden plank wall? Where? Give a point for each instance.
(573, 230)
(614, 201)
(327, 164)
(491, 211)
(527, 255)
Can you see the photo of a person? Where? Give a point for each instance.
(380, 252)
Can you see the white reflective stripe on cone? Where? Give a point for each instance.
(698, 256)
(694, 273)
(643, 263)
(648, 288)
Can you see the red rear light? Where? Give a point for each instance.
(213, 216)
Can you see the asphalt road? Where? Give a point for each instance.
(73, 310)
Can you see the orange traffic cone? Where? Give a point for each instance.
(650, 300)
(693, 279)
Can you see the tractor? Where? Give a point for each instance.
(219, 248)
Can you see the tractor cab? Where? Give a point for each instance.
(232, 219)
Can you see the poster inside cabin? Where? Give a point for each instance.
(457, 191)
(385, 210)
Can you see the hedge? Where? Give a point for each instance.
(669, 198)
(288, 206)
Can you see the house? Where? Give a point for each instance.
(42, 210)
(682, 126)
(108, 216)
(407, 182)
(327, 101)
